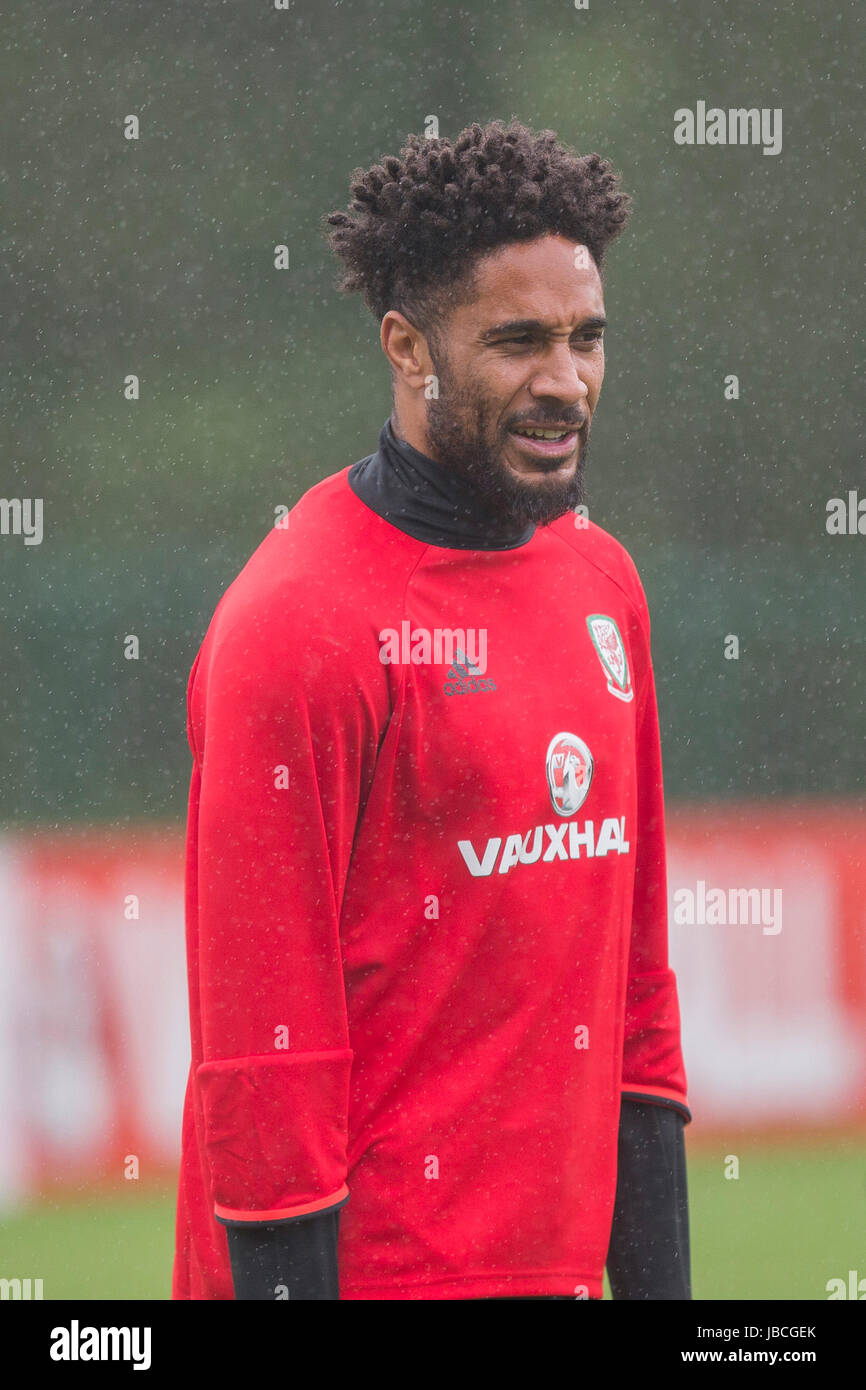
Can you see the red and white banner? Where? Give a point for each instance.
(94, 1043)
(771, 962)
(768, 939)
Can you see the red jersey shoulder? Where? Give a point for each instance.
(317, 564)
(301, 609)
(602, 550)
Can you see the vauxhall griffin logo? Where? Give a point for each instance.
(569, 773)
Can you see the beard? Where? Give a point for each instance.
(462, 435)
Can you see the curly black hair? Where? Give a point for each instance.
(418, 224)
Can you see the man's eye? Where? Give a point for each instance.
(586, 339)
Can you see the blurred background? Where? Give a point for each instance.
(155, 257)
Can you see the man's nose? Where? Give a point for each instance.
(560, 376)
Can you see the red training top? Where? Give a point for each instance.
(426, 904)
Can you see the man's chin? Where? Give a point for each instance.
(543, 497)
(537, 506)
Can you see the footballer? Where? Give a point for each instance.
(435, 1033)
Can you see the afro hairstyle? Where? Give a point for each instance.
(418, 224)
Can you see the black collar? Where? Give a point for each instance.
(425, 500)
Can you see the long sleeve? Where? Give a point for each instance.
(653, 1065)
(648, 1256)
(284, 746)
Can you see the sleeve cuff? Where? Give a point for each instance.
(659, 1096)
(275, 1132)
(230, 1217)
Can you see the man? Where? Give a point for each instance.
(435, 1035)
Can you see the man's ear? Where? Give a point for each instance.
(406, 349)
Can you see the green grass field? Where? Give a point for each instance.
(794, 1218)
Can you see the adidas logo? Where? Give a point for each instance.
(465, 678)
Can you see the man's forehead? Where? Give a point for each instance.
(552, 279)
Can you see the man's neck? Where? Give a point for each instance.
(427, 500)
(413, 433)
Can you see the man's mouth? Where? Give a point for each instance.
(545, 442)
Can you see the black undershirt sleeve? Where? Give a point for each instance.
(288, 1260)
(648, 1256)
